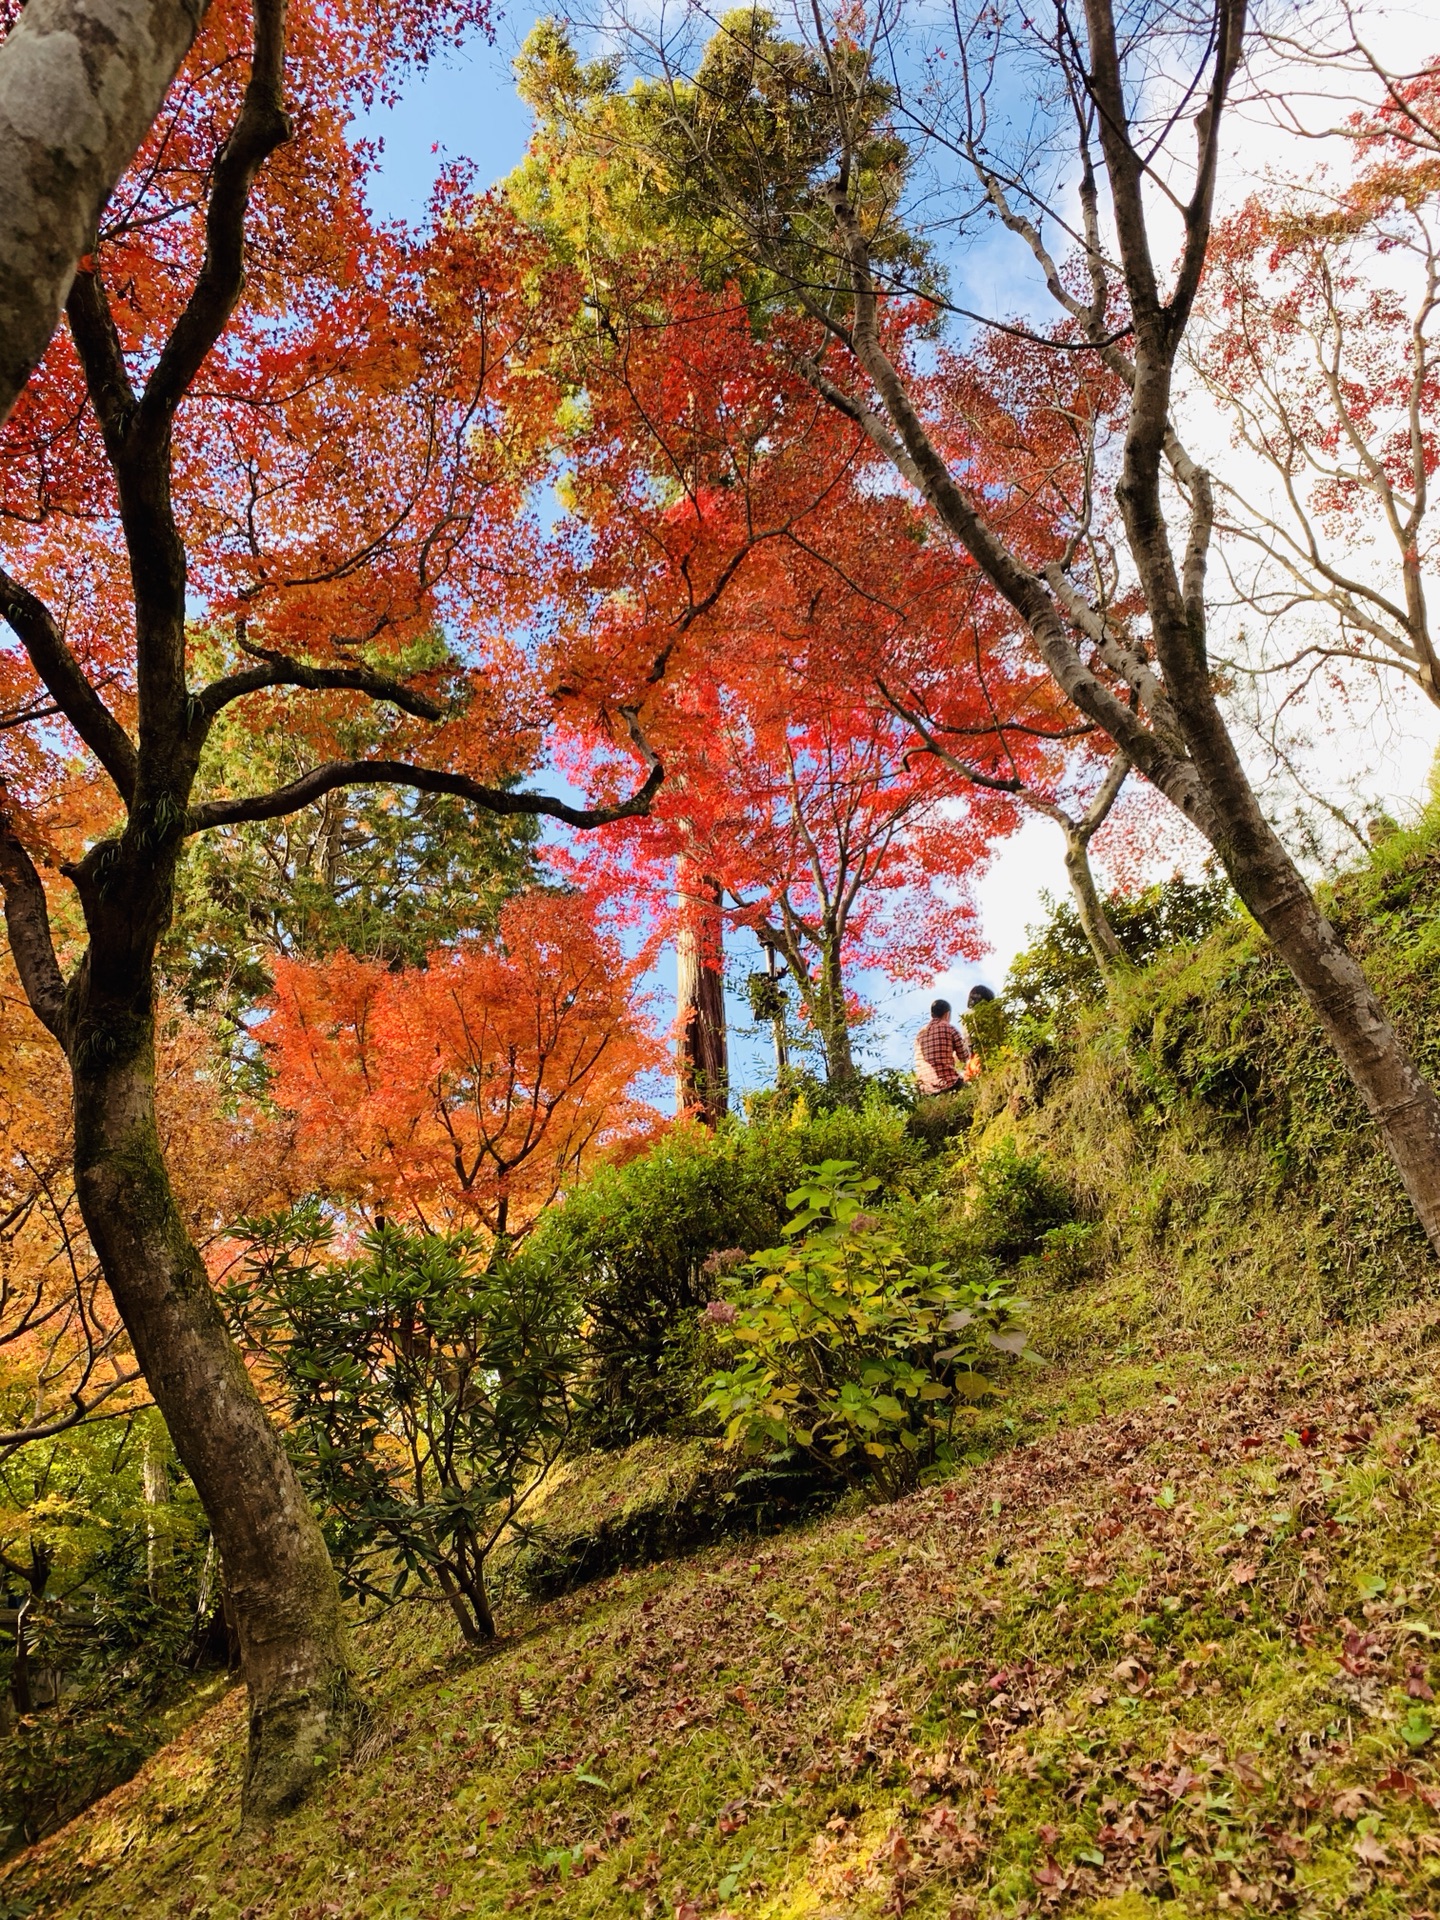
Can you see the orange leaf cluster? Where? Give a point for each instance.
(472, 1091)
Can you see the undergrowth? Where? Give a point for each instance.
(1237, 1193)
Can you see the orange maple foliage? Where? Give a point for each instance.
(472, 1091)
(63, 1350)
(821, 649)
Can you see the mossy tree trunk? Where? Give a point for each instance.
(831, 1016)
(283, 1593)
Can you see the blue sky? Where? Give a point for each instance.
(465, 106)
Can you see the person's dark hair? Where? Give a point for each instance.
(979, 995)
(939, 1009)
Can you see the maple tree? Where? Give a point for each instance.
(325, 433)
(736, 544)
(799, 810)
(1324, 309)
(828, 861)
(467, 1093)
(666, 349)
(728, 131)
(688, 469)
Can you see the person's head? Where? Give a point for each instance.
(939, 1009)
(978, 996)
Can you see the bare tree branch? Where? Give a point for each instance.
(281, 670)
(314, 785)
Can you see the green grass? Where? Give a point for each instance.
(1169, 1656)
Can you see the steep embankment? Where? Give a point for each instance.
(1237, 1194)
(1173, 1654)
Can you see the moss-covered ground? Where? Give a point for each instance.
(1170, 1649)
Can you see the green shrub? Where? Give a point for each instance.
(988, 1025)
(1066, 1256)
(101, 1590)
(1015, 1201)
(429, 1390)
(849, 1351)
(634, 1242)
(939, 1118)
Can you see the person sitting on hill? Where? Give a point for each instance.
(941, 1052)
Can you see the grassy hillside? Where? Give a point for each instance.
(1173, 1654)
(1237, 1190)
(1167, 1643)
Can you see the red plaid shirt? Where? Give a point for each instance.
(939, 1048)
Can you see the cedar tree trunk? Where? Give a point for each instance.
(702, 1073)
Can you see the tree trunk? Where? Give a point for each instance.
(281, 1586)
(20, 1670)
(1396, 1094)
(155, 1491)
(80, 83)
(1094, 921)
(470, 1604)
(778, 1031)
(702, 1074)
(1186, 750)
(830, 1017)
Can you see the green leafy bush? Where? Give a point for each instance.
(1066, 1256)
(1015, 1201)
(428, 1392)
(1056, 975)
(634, 1241)
(104, 1597)
(848, 1350)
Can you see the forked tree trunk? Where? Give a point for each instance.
(468, 1599)
(702, 1070)
(282, 1589)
